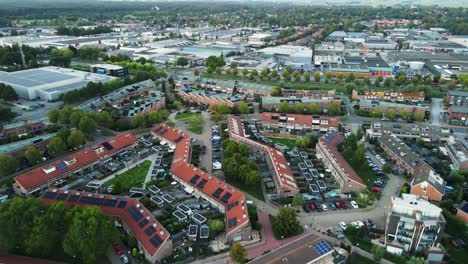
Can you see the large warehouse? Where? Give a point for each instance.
(48, 83)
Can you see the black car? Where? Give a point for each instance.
(306, 208)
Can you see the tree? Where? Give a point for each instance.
(306, 76)
(390, 114)
(75, 117)
(417, 260)
(403, 114)
(235, 71)
(283, 107)
(274, 74)
(378, 252)
(78, 241)
(154, 117)
(138, 120)
(297, 75)
(427, 80)
(388, 82)
(182, 61)
(377, 112)
(387, 169)
(245, 71)
(328, 76)
(76, 139)
(317, 76)
(223, 108)
(253, 73)
(196, 72)
(298, 200)
(339, 77)
(32, 155)
(243, 108)
(313, 108)
(418, 116)
(64, 114)
(285, 223)
(351, 77)
(378, 80)
(238, 253)
(87, 125)
(8, 164)
(218, 70)
(7, 92)
(298, 108)
(209, 70)
(264, 73)
(285, 73)
(216, 225)
(53, 115)
(303, 142)
(177, 104)
(276, 91)
(104, 119)
(56, 147)
(334, 108)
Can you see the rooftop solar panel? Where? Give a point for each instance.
(232, 205)
(232, 222)
(50, 195)
(73, 198)
(202, 183)
(62, 196)
(150, 230)
(162, 132)
(158, 129)
(122, 204)
(135, 214)
(156, 241)
(143, 223)
(177, 140)
(107, 145)
(226, 197)
(194, 179)
(322, 247)
(217, 193)
(62, 165)
(109, 202)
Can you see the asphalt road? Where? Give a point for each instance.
(436, 110)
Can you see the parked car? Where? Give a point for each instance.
(312, 206)
(343, 205)
(324, 207)
(118, 249)
(306, 208)
(319, 208)
(376, 190)
(343, 225)
(332, 206)
(338, 204)
(354, 204)
(382, 161)
(124, 259)
(377, 157)
(378, 184)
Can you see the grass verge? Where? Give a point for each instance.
(290, 143)
(131, 178)
(194, 121)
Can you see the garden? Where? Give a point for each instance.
(193, 121)
(134, 177)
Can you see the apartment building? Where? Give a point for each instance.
(457, 98)
(457, 153)
(286, 185)
(272, 103)
(299, 122)
(152, 238)
(227, 199)
(389, 96)
(344, 174)
(424, 132)
(22, 128)
(370, 105)
(42, 178)
(317, 94)
(458, 114)
(414, 225)
(205, 98)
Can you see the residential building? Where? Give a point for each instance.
(424, 132)
(459, 98)
(42, 178)
(429, 185)
(462, 211)
(389, 96)
(204, 97)
(17, 149)
(299, 122)
(317, 94)
(227, 199)
(458, 114)
(344, 174)
(414, 225)
(110, 69)
(283, 178)
(22, 128)
(153, 239)
(457, 153)
(273, 102)
(370, 105)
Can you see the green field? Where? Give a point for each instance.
(193, 121)
(134, 177)
(290, 143)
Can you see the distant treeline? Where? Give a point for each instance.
(77, 32)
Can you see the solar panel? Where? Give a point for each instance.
(158, 129)
(226, 197)
(194, 179)
(107, 146)
(232, 222)
(73, 198)
(135, 214)
(122, 204)
(109, 202)
(62, 165)
(162, 132)
(202, 183)
(143, 223)
(322, 247)
(156, 241)
(50, 195)
(232, 205)
(179, 139)
(217, 193)
(150, 230)
(62, 196)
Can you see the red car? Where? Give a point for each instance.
(338, 204)
(376, 190)
(117, 249)
(312, 206)
(343, 205)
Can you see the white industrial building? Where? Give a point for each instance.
(48, 83)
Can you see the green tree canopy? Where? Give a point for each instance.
(238, 254)
(8, 164)
(285, 223)
(32, 155)
(243, 108)
(76, 139)
(87, 125)
(56, 147)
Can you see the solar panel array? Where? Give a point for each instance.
(162, 132)
(150, 230)
(156, 241)
(110, 202)
(107, 145)
(194, 179)
(50, 195)
(62, 196)
(73, 198)
(91, 200)
(122, 204)
(217, 193)
(134, 213)
(232, 222)
(177, 140)
(322, 247)
(144, 222)
(226, 197)
(232, 205)
(202, 183)
(61, 165)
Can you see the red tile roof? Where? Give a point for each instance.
(138, 227)
(306, 120)
(331, 141)
(39, 176)
(186, 171)
(280, 163)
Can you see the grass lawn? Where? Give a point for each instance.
(253, 189)
(133, 177)
(290, 143)
(194, 121)
(107, 133)
(358, 259)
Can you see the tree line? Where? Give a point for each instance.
(81, 31)
(28, 227)
(236, 164)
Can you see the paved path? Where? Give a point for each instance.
(151, 158)
(436, 110)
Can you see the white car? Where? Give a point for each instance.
(357, 224)
(217, 165)
(343, 225)
(324, 207)
(354, 204)
(124, 259)
(382, 161)
(377, 157)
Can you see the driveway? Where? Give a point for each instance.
(436, 110)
